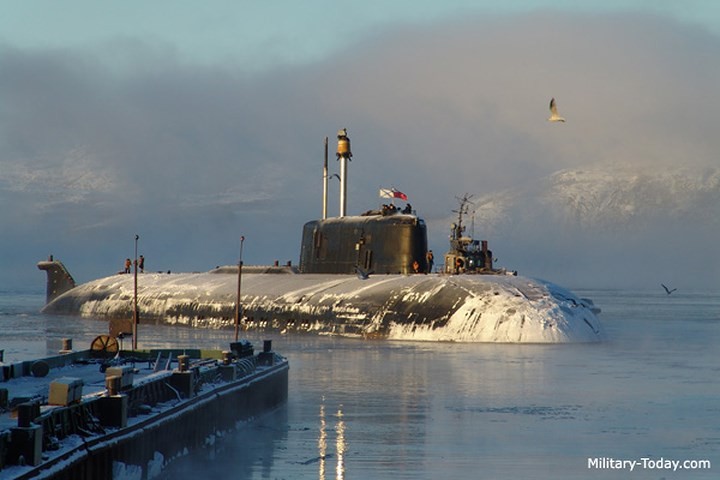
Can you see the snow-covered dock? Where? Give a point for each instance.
(77, 416)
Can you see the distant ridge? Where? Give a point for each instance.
(607, 197)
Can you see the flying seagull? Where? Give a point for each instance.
(667, 290)
(554, 117)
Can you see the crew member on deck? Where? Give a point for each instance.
(459, 264)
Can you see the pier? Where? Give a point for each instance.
(86, 414)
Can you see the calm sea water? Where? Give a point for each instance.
(379, 409)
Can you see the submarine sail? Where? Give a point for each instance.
(374, 242)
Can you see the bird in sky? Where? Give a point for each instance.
(554, 117)
(667, 290)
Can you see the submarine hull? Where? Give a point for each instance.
(437, 307)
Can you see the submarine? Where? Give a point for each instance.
(366, 276)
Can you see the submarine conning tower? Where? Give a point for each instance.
(375, 242)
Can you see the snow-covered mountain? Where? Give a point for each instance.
(609, 198)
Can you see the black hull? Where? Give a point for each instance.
(476, 308)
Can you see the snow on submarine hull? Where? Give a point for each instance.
(436, 307)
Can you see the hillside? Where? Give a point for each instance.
(618, 199)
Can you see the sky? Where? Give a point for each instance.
(191, 124)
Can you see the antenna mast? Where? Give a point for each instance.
(343, 154)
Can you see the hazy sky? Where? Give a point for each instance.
(192, 123)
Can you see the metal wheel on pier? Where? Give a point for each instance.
(104, 346)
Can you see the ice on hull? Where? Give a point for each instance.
(466, 308)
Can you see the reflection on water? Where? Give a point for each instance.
(340, 446)
(322, 442)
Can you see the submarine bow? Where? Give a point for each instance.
(467, 308)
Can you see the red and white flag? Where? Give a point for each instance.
(392, 193)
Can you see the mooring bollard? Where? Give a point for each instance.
(66, 345)
(226, 357)
(228, 371)
(113, 384)
(183, 362)
(183, 380)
